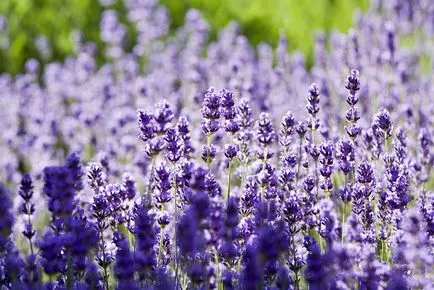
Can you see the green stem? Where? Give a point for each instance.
(316, 179)
(297, 286)
(383, 251)
(229, 179)
(344, 209)
(176, 233)
(208, 143)
(299, 161)
(219, 282)
(151, 177)
(387, 144)
(104, 268)
(161, 245)
(30, 240)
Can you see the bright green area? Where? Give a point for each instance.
(263, 20)
(260, 20)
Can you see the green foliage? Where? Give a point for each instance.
(264, 21)
(54, 19)
(260, 20)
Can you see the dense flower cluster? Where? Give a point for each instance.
(239, 170)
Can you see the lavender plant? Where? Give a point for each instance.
(204, 170)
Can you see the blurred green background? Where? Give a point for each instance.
(52, 23)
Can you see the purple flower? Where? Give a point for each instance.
(315, 272)
(211, 112)
(27, 207)
(227, 104)
(163, 184)
(163, 115)
(326, 169)
(382, 124)
(129, 186)
(73, 164)
(345, 155)
(365, 173)
(184, 135)
(95, 175)
(287, 129)
(211, 105)
(81, 239)
(313, 100)
(208, 153)
(147, 125)
(353, 86)
(173, 150)
(124, 267)
(145, 233)
(59, 186)
(6, 218)
(231, 151)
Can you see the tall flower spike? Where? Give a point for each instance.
(265, 135)
(326, 169)
(6, 218)
(59, 186)
(152, 124)
(287, 129)
(173, 148)
(244, 114)
(313, 100)
(382, 124)
(353, 86)
(352, 115)
(163, 115)
(211, 112)
(147, 126)
(184, 133)
(124, 267)
(73, 164)
(83, 237)
(365, 173)
(315, 273)
(227, 105)
(95, 175)
(163, 184)
(146, 240)
(129, 185)
(27, 207)
(345, 155)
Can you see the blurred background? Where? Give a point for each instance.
(45, 29)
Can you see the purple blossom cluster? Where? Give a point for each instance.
(172, 168)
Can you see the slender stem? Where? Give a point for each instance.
(383, 251)
(151, 177)
(161, 245)
(344, 209)
(316, 179)
(230, 171)
(387, 144)
(229, 179)
(299, 161)
(105, 275)
(219, 283)
(297, 286)
(176, 233)
(208, 143)
(316, 162)
(30, 239)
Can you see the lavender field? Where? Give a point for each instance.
(190, 163)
